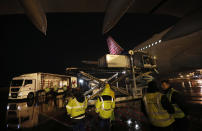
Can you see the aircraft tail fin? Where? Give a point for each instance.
(114, 48)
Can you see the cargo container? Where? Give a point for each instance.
(114, 61)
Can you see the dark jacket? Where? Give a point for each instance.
(177, 98)
(80, 97)
(152, 88)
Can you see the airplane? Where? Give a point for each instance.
(177, 48)
(141, 60)
(189, 11)
(174, 56)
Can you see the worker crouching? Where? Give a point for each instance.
(178, 102)
(105, 107)
(158, 109)
(76, 109)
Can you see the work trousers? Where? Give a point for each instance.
(104, 124)
(78, 125)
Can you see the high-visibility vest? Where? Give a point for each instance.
(76, 109)
(158, 116)
(105, 108)
(47, 90)
(55, 88)
(64, 88)
(178, 112)
(108, 91)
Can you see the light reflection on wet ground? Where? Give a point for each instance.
(192, 89)
(50, 114)
(40, 113)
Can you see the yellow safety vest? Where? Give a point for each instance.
(55, 88)
(109, 92)
(158, 116)
(64, 88)
(75, 109)
(105, 108)
(178, 112)
(47, 90)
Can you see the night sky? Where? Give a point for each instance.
(71, 38)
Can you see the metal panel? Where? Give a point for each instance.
(114, 61)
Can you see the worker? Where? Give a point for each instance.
(107, 91)
(64, 88)
(158, 109)
(55, 88)
(76, 109)
(177, 101)
(47, 90)
(105, 107)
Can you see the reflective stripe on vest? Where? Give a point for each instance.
(112, 100)
(178, 112)
(158, 116)
(79, 116)
(77, 109)
(162, 120)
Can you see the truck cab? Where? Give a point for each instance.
(21, 88)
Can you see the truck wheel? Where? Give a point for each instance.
(30, 96)
(30, 102)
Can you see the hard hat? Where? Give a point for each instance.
(107, 86)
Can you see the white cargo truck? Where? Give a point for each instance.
(28, 85)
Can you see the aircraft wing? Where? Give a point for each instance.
(115, 9)
(169, 7)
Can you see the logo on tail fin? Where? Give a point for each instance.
(114, 48)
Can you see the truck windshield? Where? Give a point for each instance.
(16, 82)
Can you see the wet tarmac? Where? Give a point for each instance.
(48, 113)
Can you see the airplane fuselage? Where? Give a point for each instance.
(176, 55)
